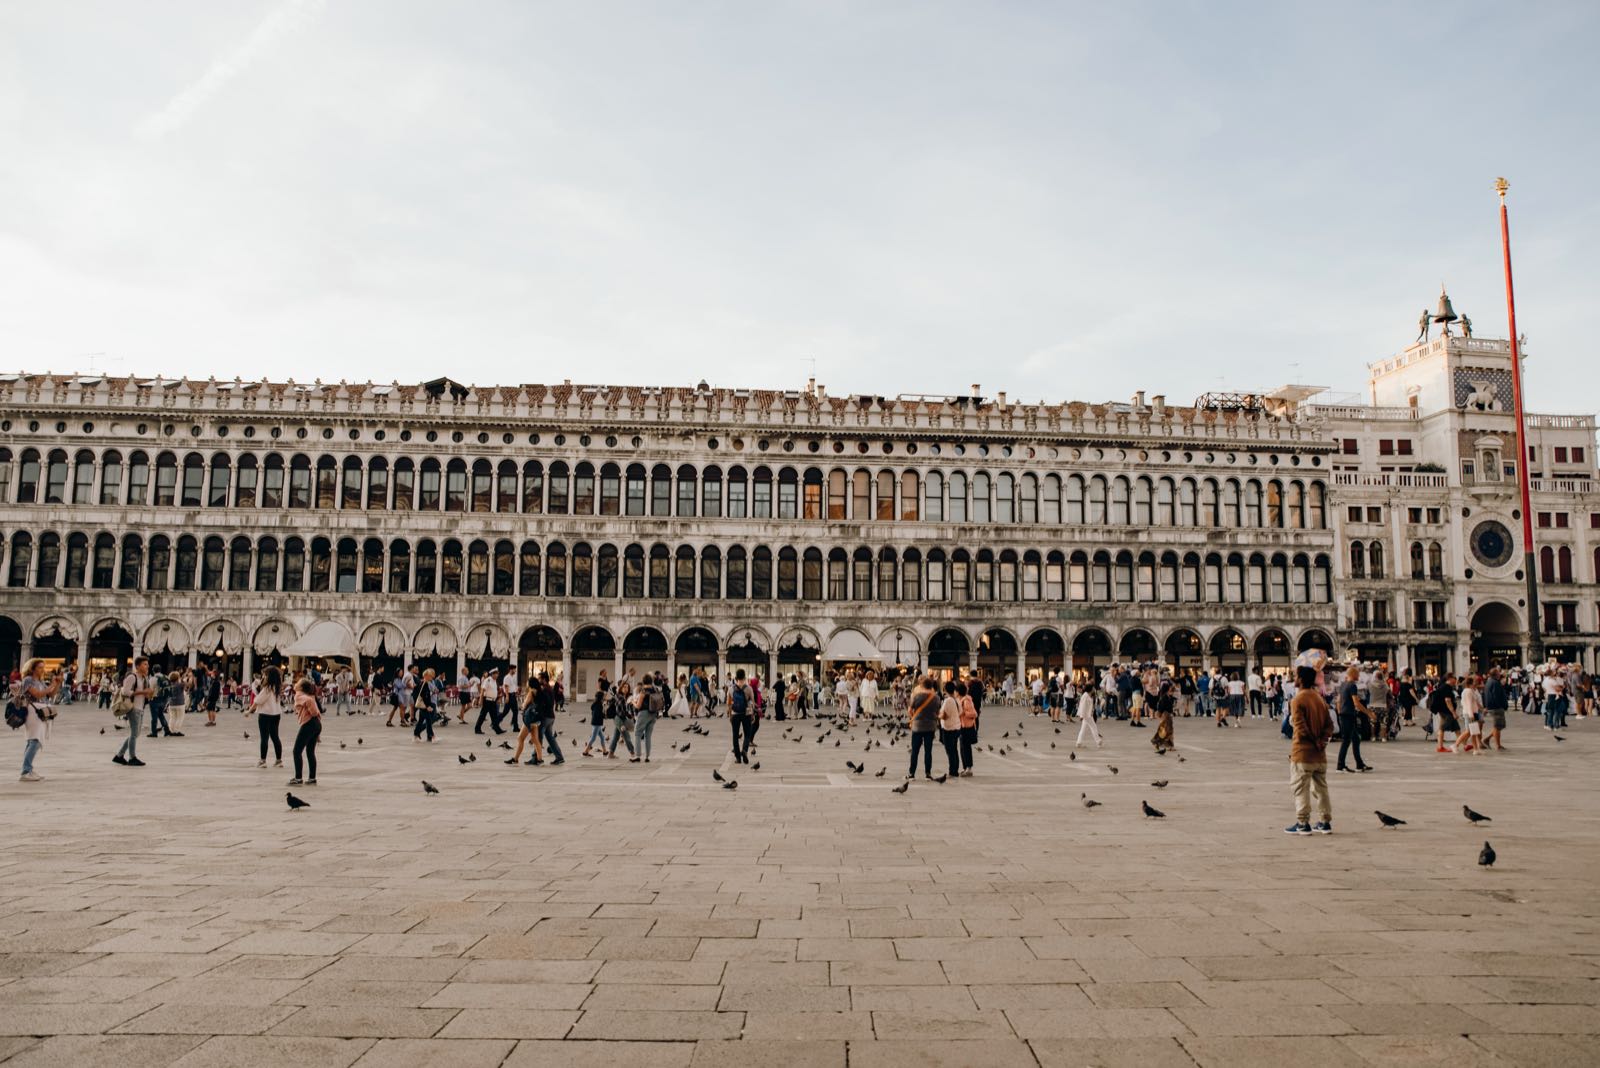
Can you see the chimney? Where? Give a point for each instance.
(976, 389)
(811, 385)
(1002, 398)
(1138, 400)
(1160, 403)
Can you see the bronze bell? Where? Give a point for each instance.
(1445, 314)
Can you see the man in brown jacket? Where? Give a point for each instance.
(1308, 757)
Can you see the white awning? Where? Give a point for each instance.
(272, 637)
(57, 625)
(487, 635)
(383, 637)
(224, 633)
(851, 645)
(166, 636)
(905, 650)
(326, 638)
(434, 639)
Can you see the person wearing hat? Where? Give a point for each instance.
(32, 691)
(489, 695)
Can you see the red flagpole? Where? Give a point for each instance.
(1535, 640)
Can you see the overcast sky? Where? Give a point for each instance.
(1064, 201)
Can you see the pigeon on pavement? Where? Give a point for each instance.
(1486, 855)
(1474, 817)
(1388, 820)
(902, 788)
(1152, 813)
(428, 787)
(295, 802)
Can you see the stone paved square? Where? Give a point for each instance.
(608, 913)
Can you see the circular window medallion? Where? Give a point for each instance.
(1491, 543)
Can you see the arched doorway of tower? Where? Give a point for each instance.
(110, 649)
(10, 646)
(539, 651)
(1185, 650)
(695, 647)
(1138, 646)
(1045, 653)
(747, 650)
(593, 650)
(487, 646)
(644, 650)
(55, 641)
(1273, 652)
(948, 652)
(1091, 654)
(1496, 636)
(997, 655)
(1228, 651)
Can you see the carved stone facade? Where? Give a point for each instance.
(576, 526)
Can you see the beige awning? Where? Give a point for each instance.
(851, 645)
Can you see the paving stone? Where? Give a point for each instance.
(801, 1025)
(435, 1053)
(990, 1053)
(941, 1026)
(104, 1051)
(206, 1019)
(1266, 1052)
(1110, 1053)
(594, 1054)
(1443, 1050)
(1094, 1022)
(769, 1053)
(364, 1021)
(509, 996)
(658, 1026)
(272, 1051)
(1262, 1021)
(510, 1023)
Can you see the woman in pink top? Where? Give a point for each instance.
(950, 723)
(310, 717)
(969, 731)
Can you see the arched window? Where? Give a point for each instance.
(982, 498)
(1190, 580)
(938, 576)
(103, 571)
(294, 565)
(504, 571)
(761, 574)
(1316, 506)
(1122, 576)
(606, 572)
(1050, 502)
(211, 564)
(139, 478)
(686, 490)
(1100, 576)
(399, 566)
(1256, 579)
(933, 495)
(636, 489)
(1028, 500)
(683, 573)
(55, 484)
(427, 566)
(860, 496)
(482, 486)
(660, 572)
(983, 576)
(194, 474)
(1165, 514)
(610, 489)
(1119, 501)
(77, 569)
(1143, 502)
(430, 486)
(532, 487)
(1233, 578)
(186, 562)
(159, 563)
(1210, 514)
(633, 572)
(761, 493)
(958, 497)
(478, 568)
(788, 573)
(1031, 575)
(455, 486)
(788, 493)
(910, 496)
(911, 576)
(960, 576)
(167, 479)
(811, 573)
(1075, 497)
(710, 573)
(583, 488)
(888, 587)
(405, 484)
(327, 481)
(321, 565)
(1055, 576)
(505, 494)
(1078, 576)
(1418, 567)
(582, 569)
(661, 490)
(1322, 580)
(132, 562)
(1230, 504)
(1547, 564)
(372, 566)
(861, 575)
(1252, 503)
(559, 488)
(838, 494)
(738, 490)
(1005, 580)
(1435, 560)
(530, 569)
(1274, 504)
(1096, 513)
(555, 570)
(1358, 560)
(83, 478)
(239, 564)
(1169, 577)
(884, 494)
(349, 487)
(811, 494)
(28, 479)
(217, 489)
(452, 565)
(1213, 578)
(1144, 577)
(377, 483)
(1375, 560)
(711, 493)
(738, 573)
(1294, 506)
(1278, 579)
(1300, 579)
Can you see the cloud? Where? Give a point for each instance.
(291, 16)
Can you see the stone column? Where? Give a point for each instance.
(248, 668)
(194, 654)
(1022, 669)
(672, 668)
(772, 666)
(616, 666)
(83, 657)
(460, 662)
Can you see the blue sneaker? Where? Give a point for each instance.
(1297, 828)
(1322, 828)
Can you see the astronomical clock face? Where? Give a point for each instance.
(1491, 543)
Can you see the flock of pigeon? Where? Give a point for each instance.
(892, 730)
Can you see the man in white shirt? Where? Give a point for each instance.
(489, 692)
(138, 688)
(508, 693)
(1255, 687)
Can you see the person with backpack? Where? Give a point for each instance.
(599, 712)
(210, 689)
(652, 702)
(621, 719)
(924, 717)
(741, 708)
(546, 698)
(137, 689)
(1495, 703)
(158, 705)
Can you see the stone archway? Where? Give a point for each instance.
(1497, 638)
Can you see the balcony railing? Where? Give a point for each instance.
(1390, 478)
(1562, 485)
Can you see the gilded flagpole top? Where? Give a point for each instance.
(1500, 186)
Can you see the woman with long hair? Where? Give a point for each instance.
(268, 707)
